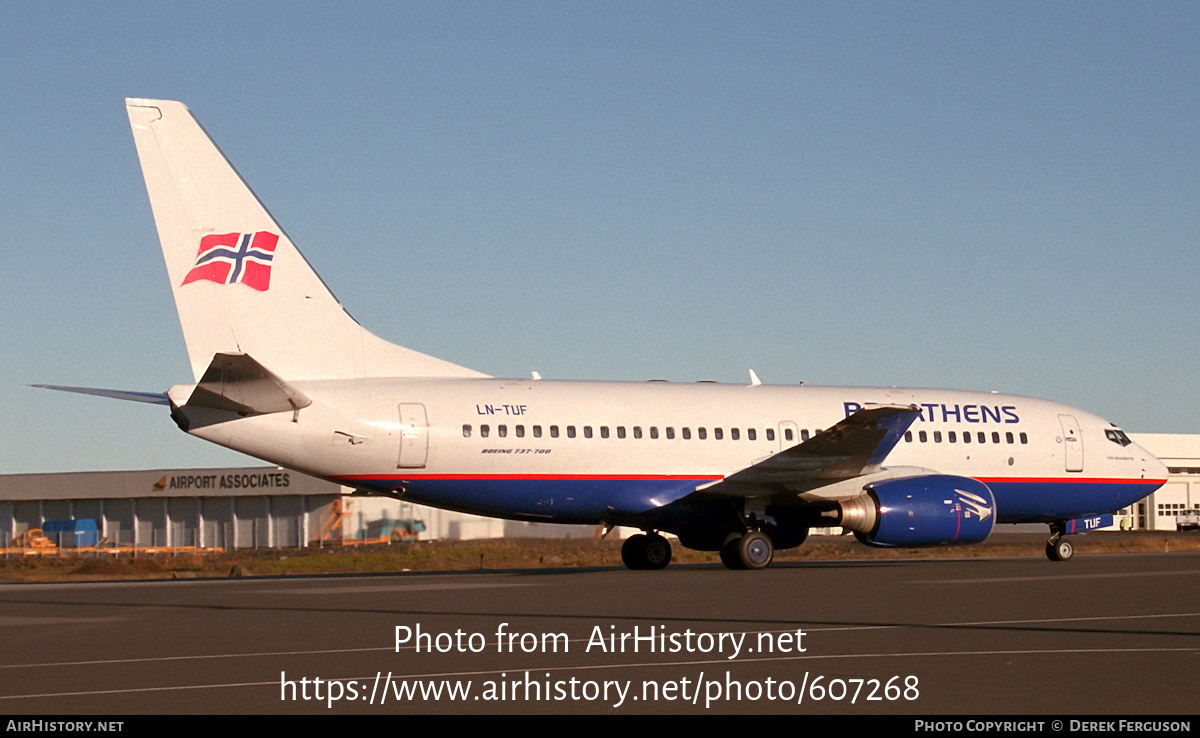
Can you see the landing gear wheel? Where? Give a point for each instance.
(656, 552)
(643, 551)
(755, 550)
(633, 552)
(729, 553)
(1060, 550)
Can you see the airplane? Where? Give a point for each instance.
(282, 372)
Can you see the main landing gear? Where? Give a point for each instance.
(646, 551)
(1059, 547)
(750, 550)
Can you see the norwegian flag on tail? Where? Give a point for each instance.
(235, 257)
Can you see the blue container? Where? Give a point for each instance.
(74, 533)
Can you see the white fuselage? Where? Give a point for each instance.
(573, 451)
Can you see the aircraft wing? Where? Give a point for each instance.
(857, 445)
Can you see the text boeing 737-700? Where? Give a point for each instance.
(283, 373)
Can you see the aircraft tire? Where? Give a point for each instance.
(755, 550)
(729, 554)
(633, 552)
(1060, 550)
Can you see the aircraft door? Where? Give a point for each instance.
(1072, 443)
(414, 436)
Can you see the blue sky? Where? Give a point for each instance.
(979, 195)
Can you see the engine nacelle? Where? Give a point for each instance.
(921, 511)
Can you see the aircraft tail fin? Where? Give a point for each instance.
(240, 284)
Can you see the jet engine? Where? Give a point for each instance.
(926, 510)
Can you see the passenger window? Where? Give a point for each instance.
(653, 432)
(637, 431)
(670, 433)
(937, 436)
(604, 431)
(483, 431)
(908, 436)
(751, 434)
(587, 431)
(952, 437)
(804, 434)
(770, 434)
(687, 433)
(982, 437)
(701, 433)
(995, 436)
(1024, 438)
(570, 431)
(620, 431)
(520, 431)
(537, 431)
(466, 431)
(554, 431)
(1008, 437)
(966, 436)
(717, 434)
(734, 434)
(502, 431)
(923, 436)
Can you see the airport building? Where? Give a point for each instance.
(235, 508)
(272, 507)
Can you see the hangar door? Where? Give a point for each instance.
(414, 436)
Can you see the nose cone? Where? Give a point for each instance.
(1152, 468)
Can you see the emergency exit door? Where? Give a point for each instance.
(414, 436)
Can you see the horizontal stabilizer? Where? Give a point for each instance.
(238, 383)
(155, 398)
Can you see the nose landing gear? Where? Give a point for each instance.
(1059, 547)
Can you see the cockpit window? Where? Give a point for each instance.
(1117, 436)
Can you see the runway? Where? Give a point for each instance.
(1102, 634)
